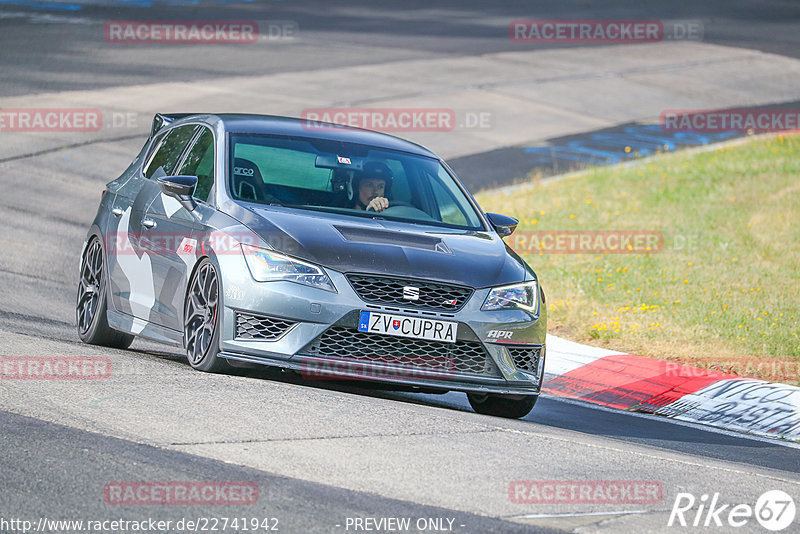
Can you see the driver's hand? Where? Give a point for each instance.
(378, 204)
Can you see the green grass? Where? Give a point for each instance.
(723, 292)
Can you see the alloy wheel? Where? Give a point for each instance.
(89, 285)
(201, 313)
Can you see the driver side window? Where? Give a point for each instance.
(168, 154)
(200, 162)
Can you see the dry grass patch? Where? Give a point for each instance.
(723, 292)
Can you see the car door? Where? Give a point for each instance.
(125, 259)
(123, 192)
(148, 230)
(175, 229)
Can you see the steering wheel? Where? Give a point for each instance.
(395, 204)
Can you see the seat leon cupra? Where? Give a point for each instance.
(335, 252)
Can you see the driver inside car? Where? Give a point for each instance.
(369, 188)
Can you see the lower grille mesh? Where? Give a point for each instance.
(261, 327)
(464, 357)
(526, 358)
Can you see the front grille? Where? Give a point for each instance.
(260, 327)
(462, 357)
(526, 358)
(432, 295)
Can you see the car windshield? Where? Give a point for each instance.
(345, 178)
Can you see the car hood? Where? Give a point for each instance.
(350, 244)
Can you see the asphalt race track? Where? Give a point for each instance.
(322, 453)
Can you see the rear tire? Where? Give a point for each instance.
(201, 320)
(91, 306)
(509, 406)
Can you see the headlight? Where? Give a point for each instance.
(269, 266)
(524, 296)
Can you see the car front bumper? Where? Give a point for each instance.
(311, 331)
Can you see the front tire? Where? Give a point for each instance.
(201, 320)
(509, 406)
(91, 306)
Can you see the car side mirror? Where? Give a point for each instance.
(503, 224)
(181, 188)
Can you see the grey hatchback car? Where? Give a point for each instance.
(335, 252)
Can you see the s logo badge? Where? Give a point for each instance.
(411, 293)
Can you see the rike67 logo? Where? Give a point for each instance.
(774, 510)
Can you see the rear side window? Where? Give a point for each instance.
(200, 162)
(168, 154)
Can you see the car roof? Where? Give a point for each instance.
(271, 124)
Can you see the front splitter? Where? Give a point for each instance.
(313, 368)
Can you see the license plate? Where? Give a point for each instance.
(404, 326)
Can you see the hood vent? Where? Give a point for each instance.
(388, 237)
